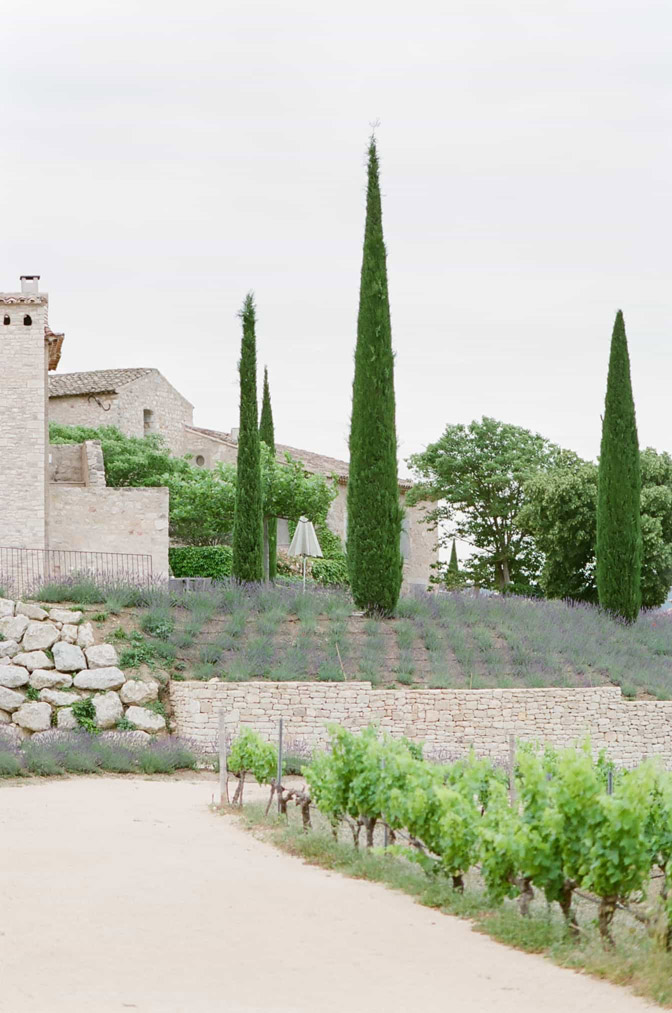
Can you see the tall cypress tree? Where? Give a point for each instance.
(374, 511)
(453, 565)
(248, 517)
(267, 434)
(619, 536)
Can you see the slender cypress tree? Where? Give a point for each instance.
(248, 517)
(374, 511)
(453, 565)
(267, 434)
(619, 536)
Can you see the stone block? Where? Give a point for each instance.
(137, 692)
(8, 648)
(101, 656)
(146, 721)
(68, 633)
(68, 657)
(66, 720)
(24, 608)
(12, 676)
(6, 608)
(10, 700)
(58, 698)
(13, 627)
(65, 616)
(43, 679)
(34, 716)
(100, 678)
(32, 660)
(108, 709)
(85, 635)
(39, 636)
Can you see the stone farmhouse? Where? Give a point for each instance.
(56, 496)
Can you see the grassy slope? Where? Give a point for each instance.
(435, 641)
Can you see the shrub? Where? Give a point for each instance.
(330, 572)
(85, 715)
(158, 622)
(201, 561)
(330, 671)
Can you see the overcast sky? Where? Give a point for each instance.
(161, 159)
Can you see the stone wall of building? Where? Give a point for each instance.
(449, 721)
(99, 519)
(168, 411)
(23, 420)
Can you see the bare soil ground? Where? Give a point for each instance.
(130, 894)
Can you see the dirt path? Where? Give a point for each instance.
(130, 895)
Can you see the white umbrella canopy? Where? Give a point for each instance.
(304, 542)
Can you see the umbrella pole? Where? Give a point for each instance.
(304, 574)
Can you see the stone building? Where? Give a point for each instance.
(55, 498)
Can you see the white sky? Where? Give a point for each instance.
(160, 159)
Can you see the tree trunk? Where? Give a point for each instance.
(566, 908)
(266, 572)
(458, 882)
(526, 895)
(305, 815)
(370, 824)
(605, 918)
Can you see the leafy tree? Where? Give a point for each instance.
(560, 515)
(374, 511)
(129, 460)
(476, 475)
(619, 535)
(267, 436)
(248, 535)
(202, 501)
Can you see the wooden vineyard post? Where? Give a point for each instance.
(223, 769)
(279, 771)
(512, 769)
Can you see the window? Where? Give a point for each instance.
(200, 460)
(147, 420)
(27, 320)
(6, 319)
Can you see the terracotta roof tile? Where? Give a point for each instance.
(318, 464)
(99, 381)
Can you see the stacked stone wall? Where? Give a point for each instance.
(49, 661)
(449, 721)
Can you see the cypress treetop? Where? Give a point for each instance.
(374, 511)
(619, 537)
(247, 562)
(267, 435)
(453, 565)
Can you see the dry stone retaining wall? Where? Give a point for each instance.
(448, 721)
(49, 660)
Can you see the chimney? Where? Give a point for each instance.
(29, 283)
(234, 435)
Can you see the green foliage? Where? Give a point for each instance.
(202, 560)
(619, 535)
(156, 707)
(476, 475)
(158, 622)
(374, 511)
(250, 754)
(85, 715)
(140, 652)
(32, 693)
(129, 460)
(330, 572)
(124, 725)
(267, 436)
(247, 563)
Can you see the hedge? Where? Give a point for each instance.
(201, 561)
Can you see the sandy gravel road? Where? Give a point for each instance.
(124, 894)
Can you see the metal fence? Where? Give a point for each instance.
(25, 571)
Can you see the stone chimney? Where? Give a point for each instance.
(30, 283)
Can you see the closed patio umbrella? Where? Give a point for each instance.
(305, 543)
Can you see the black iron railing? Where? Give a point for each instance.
(25, 571)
